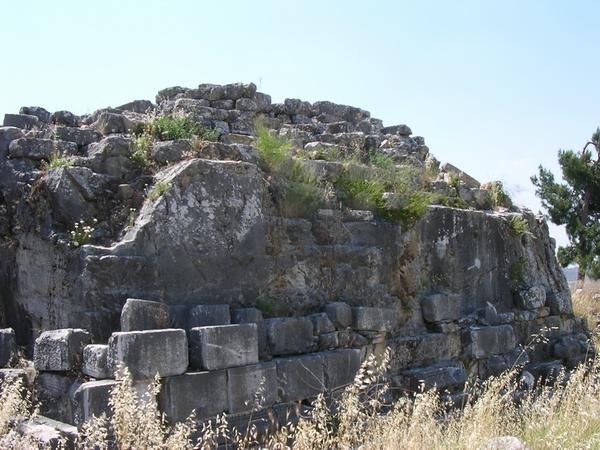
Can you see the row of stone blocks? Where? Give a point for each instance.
(223, 360)
(235, 390)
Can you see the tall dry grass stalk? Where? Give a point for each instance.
(586, 303)
(565, 414)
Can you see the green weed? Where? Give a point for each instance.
(518, 225)
(57, 160)
(273, 150)
(158, 190)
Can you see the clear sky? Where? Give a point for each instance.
(496, 88)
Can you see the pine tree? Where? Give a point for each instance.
(576, 204)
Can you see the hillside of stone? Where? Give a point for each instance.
(202, 220)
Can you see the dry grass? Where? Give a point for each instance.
(563, 415)
(586, 303)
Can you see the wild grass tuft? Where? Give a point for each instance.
(159, 188)
(497, 195)
(166, 128)
(57, 160)
(273, 150)
(519, 225)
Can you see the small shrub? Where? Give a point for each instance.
(131, 218)
(497, 196)
(382, 160)
(158, 190)
(273, 150)
(57, 160)
(454, 182)
(81, 233)
(140, 150)
(166, 128)
(298, 199)
(518, 225)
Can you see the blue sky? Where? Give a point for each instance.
(495, 88)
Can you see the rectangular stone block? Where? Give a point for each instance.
(340, 367)
(224, 346)
(290, 335)
(138, 315)
(251, 387)
(8, 347)
(202, 392)
(26, 376)
(48, 433)
(424, 349)
(321, 323)
(60, 350)
(253, 315)
(441, 308)
(146, 353)
(208, 315)
(54, 392)
(441, 376)
(366, 318)
(24, 121)
(487, 341)
(300, 377)
(95, 361)
(91, 400)
(340, 314)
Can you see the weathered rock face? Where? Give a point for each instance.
(210, 232)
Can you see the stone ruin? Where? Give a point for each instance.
(238, 293)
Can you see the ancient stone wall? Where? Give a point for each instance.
(222, 262)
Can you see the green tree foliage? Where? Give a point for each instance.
(576, 204)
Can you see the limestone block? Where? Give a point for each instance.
(111, 123)
(60, 350)
(54, 392)
(91, 399)
(532, 298)
(424, 349)
(340, 314)
(203, 392)
(49, 433)
(223, 346)
(486, 341)
(34, 148)
(321, 323)
(373, 319)
(138, 106)
(441, 376)
(171, 151)
(8, 347)
(138, 315)
(7, 135)
(79, 136)
(24, 375)
(253, 315)
(95, 361)
(146, 353)
(252, 387)
(401, 130)
(441, 308)
(291, 335)
(300, 377)
(208, 315)
(23, 121)
(328, 341)
(66, 118)
(41, 113)
(340, 367)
